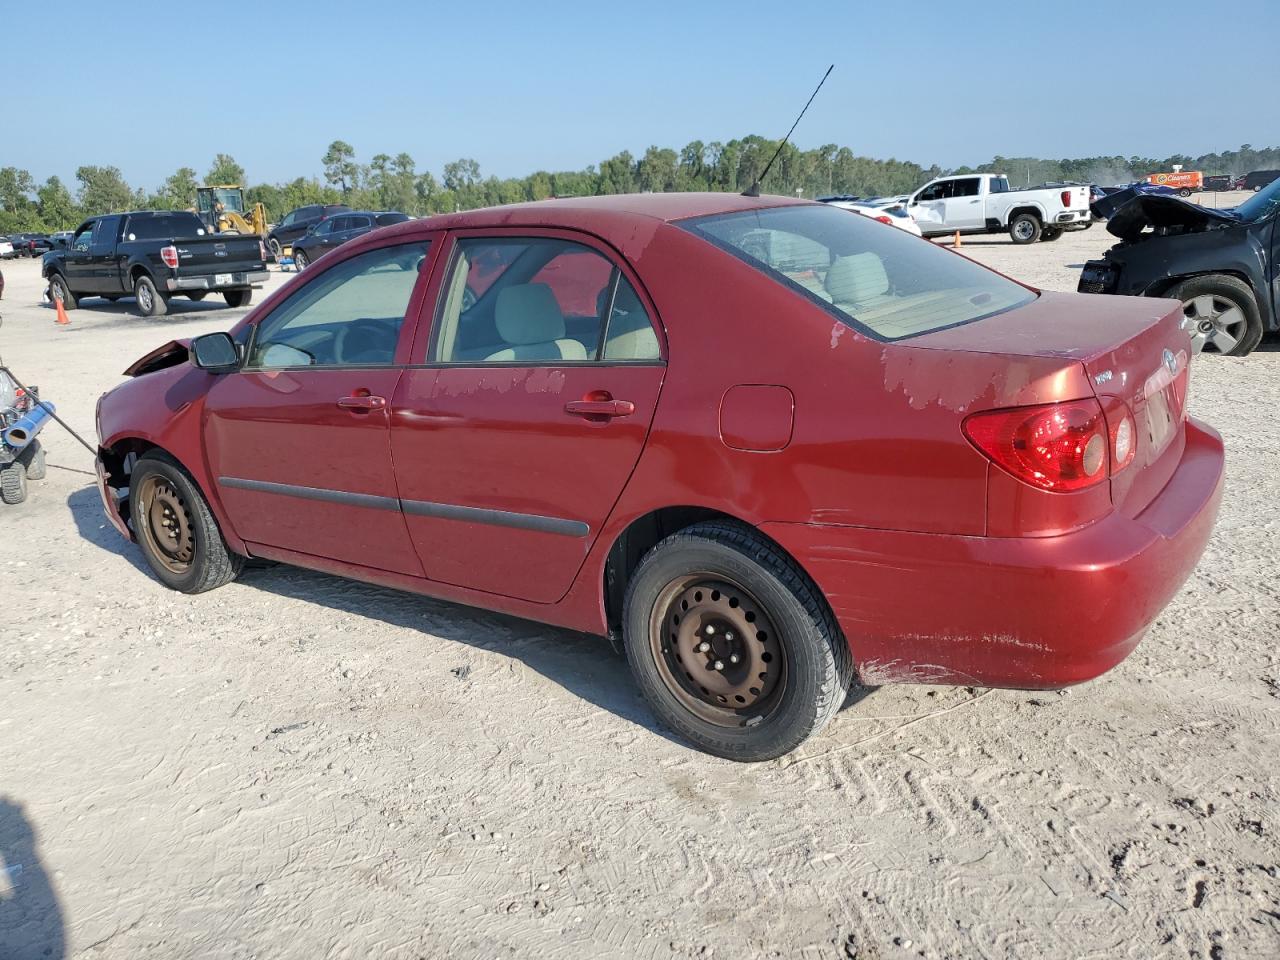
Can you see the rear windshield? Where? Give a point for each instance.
(165, 226)
(878, 279)
(387, 219)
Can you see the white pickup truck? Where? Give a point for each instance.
(983, 203)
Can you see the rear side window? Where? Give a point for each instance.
(357, 223)
(967, 187)
(884, 283)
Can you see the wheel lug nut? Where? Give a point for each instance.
(703, 647)
(728, 635)
(710, 630)
(719, 664)
(733, 658)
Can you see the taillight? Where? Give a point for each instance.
(170, 256)
(1122, 431)
(884, 219)
(1066, 198)
(1054, 446)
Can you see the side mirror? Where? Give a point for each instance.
(216, 353)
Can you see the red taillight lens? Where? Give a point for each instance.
(1055, 446)
(170, 256)
(883, 219)
(1066, 198)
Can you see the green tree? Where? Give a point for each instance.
(102, 190)
(225, 170)
(179, 190)
(57, 209)
(340, 167)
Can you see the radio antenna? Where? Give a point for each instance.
(754, 189)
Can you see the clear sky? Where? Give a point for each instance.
(521, 86)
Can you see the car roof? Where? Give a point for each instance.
(586, 212)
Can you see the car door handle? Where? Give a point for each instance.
(362, 403)
(600, 408)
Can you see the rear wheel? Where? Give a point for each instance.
(1220, 314)
(150, 302)
(13, 482)
(274, 246)
(731, 644)
(1025, 228)
(238, 298)
(175, 529)
(1184, 192)
(32, 457)
(58, 290)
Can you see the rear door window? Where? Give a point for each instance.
(883, 283)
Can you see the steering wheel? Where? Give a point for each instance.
(372, 330)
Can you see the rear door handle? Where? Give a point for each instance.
(600, 408)
(362, 403)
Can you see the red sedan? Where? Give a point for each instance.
(771, 446)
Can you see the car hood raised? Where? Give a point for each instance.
(1164, 215)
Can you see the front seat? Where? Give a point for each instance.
(530, 321)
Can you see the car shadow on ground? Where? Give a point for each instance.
(585, 665)
(31, 924)
(100, 314)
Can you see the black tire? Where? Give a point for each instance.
(1050, 233)
(1025, 228)
(58, 290)
(239, 298)
(1247, 332)
(150, 302)
(300, 260)
(202, 563)
(815, 666)
(13, 482)
(274, 246)
(198, 295)
(32, 457)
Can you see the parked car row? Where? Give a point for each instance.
(335, 229)
(24, 245)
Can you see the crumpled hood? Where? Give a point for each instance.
(1127, 220)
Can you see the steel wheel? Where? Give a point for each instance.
(1211, 319)
(164, 524)
(1024, 230)
(717, 651)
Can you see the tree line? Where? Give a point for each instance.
(389, 182)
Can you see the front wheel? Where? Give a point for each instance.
(300, 260)
(58, 290)
(1184, 193)
(13, 482)
(1025, 228)
(731, 643)
(175, 529)
(1220, 314)
(238, 298)
(150, 303)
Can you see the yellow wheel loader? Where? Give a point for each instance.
(222, 209)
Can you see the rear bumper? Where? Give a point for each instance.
(238, 279)
(1029, 613)
(1073, 216)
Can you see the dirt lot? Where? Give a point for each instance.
(298, 766)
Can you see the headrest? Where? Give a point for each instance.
(528, 313)
(857, 279)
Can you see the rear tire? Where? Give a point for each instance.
(732, 585)
(150, 302)
(1025, 228)
(32, 457)
(13, 482)
(1184, 193)
(238, 298)
(58, 290)
(173, 525)
(274, 246)
(1220, 312)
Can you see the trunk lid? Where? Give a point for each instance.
(222, 253)
(1136, 357)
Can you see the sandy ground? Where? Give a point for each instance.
(299, 766)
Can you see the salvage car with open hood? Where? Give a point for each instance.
(1221, 264)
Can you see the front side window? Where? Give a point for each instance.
(539, 300)
(939, 191)
(885, 283)
(83, 238)
(351, 314)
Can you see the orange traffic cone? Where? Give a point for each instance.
(62, 312)
(957, 240)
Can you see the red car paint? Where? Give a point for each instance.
(847, 451)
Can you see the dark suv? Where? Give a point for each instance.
(297, 222)
(336, 230)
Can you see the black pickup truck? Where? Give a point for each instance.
(153, 256)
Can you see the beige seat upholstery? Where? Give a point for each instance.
(631, 335)
(857, 281)
(529, 320)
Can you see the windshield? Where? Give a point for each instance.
(1261, 205)
(877, 279)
